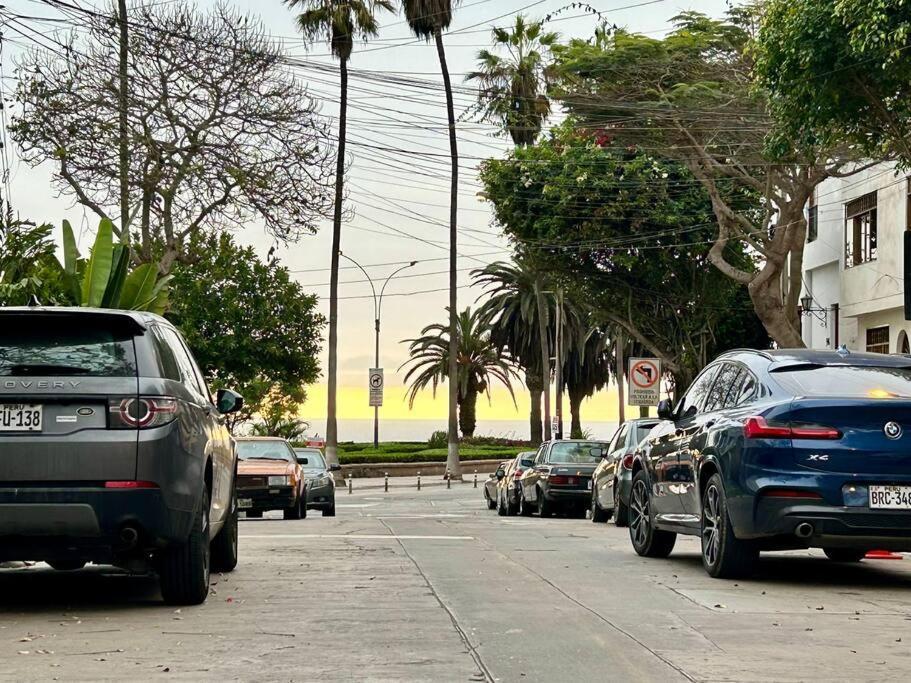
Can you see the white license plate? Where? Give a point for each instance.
(244, 503)
(20, 417)
(589, 487)
(890, 497)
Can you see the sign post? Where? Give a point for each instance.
(644, 381)
(375, 384)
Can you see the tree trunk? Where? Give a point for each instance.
(576, 396)
(123, 124)
(452, 458)
(468, 414)
(332, 404)
(772, 311)
(621, 372)
(545, 351)
(535, 385)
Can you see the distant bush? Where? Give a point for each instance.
(427, 455)
(439, 439)
(496, 441)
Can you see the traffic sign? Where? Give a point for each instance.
(376, 387)
(644, 381)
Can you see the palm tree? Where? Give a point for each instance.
(587, 368)
(479, 363)
(338, 22)
(428, 19)
(512, 87)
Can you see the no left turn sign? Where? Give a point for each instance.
(644, 381)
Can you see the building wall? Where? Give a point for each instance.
(870, 294)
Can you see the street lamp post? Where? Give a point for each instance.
(377, 311)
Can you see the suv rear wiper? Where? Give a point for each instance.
(47, 369)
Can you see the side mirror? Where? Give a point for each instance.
(500, 474)
(666, 410)
(228, 401)
(335, 467)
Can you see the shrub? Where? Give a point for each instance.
(439, 439)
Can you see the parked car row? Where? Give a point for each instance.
(766, 450)
(114, 451)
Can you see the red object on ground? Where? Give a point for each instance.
(883, 555)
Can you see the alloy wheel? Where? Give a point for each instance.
(639, 518)
(711, 525)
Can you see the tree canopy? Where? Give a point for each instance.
(250, 326)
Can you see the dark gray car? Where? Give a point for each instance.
(112, 450)
(320, 482)
(613, 478)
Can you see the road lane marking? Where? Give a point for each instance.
(384, 537)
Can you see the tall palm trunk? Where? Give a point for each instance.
(535, 384)
(331, 423)
(452, 459)
(576, 396)
(468, 413)
(543, 324)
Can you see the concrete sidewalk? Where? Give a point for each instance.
(398, 483)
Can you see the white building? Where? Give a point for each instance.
(854, 264)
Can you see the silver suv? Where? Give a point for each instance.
(111, 449)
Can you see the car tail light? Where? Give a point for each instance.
(627, 462)
(791, 493)
(757, 428)
(518, 473)
(558, 479)
(130, 485)
(144, 412)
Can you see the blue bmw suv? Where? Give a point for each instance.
(780, 450)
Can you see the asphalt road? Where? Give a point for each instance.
(432, 586)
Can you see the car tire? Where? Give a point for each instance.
(599, 516)
(67, 565)
(330, 511)
(491, 504)
(844, 554)
(225, 546)
(299, 511)
(545, 507)
(501, 506)
(621, 511)
(512, 509)
(184, 571)
(646, 539)
(724, 556)
(525, 509)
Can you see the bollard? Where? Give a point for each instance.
(476, 479)
(448, 480)
(386, 483)
(419, 481)
(350, 484)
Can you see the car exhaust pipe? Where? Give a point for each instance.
(804, 530)
(129, 536)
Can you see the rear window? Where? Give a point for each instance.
(840, 380)
(314, 459)
(265, 450)
(65, 346)
(577, 453)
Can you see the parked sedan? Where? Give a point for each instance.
(490, 486)
(561, 479)
(772, 450)
(320, 482)
(508, 489)
(613, 478)
(270, 478)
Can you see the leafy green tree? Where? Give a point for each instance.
(428, 19)
(630, 234)
(339, 23)
(249, 324)
(838, 71)
(28, 268)
(690, 96)
(479, 364)
(513, 88)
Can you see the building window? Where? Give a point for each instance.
(813, 219)
(878, 339)
(860, 230)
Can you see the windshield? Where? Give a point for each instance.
(578, 453)
(840, 380)
(264, 450)
(314, 458)
(642, 430)
(65, 346)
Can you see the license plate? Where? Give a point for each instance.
(890, 497)
(20, 417)
(589, 485)
(244, 503)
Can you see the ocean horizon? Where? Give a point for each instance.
(361, 430)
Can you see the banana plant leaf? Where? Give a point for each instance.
(98, 269)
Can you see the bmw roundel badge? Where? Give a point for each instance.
(893, 430)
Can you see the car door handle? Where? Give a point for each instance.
(710, 423)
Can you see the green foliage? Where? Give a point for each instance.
(637, 252)
(839, 72)
(250, 325)
(339, 23)
(403, 453)
(105, 280)
(27, 265)
(439, 439)
(275, 422)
